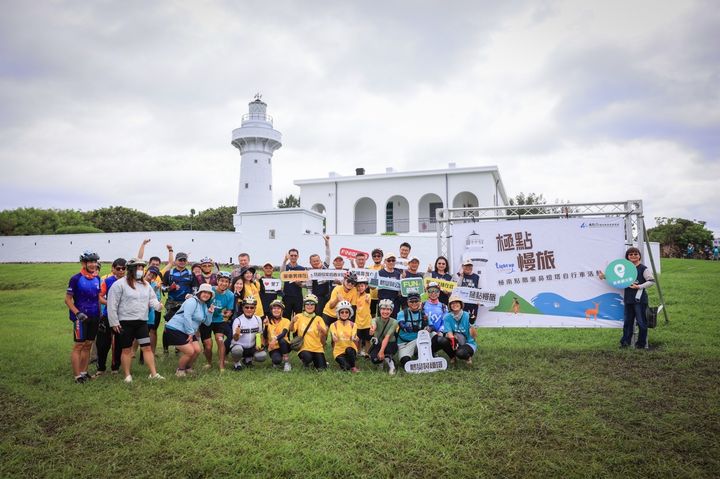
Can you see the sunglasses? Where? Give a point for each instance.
(377, 256)
(119, 268)
(183, 260)
(248, 307)
(391, 260)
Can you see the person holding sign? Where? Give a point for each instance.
(459, 333)
(277, 329)
(344, 292)
(268, 294)
(313, 332)
(321, 288)
(410, 320)
(292, 290)
(410, 272)
(635, 299)
(389, 271)
(441, 272)
(383, 329)
(344, 337)
(469, 280)
(377, 257)
(251, 288)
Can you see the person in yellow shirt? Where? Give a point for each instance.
(314, 332)
(344, 338)
(343, 292)
(252, 288)
(363, 318)
(277, 329)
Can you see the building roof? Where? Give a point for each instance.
(408, 174)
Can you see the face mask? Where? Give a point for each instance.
(138, 274)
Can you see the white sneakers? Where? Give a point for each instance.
(128, 379)
(156, 376)
(180, 373)
(287, 368)
(391, 366)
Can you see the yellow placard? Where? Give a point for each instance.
(445, 286)
(294, 276)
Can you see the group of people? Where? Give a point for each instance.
(248, 322)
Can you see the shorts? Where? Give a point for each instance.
(408, 349)
(155, 325)
(132, 330)
(173, 337)
(363, 334)
(206, 332)
(85, 330)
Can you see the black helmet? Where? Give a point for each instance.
(89, 255)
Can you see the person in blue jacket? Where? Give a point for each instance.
(180, 330)
(459, 332)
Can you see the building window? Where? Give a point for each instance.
(389, 216)
(268, 161)
(270, 186)
(271, 234)
(246, 185)
(255, 161)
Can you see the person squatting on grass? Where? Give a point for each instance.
(277, 329)
(83, 301)
(180, 329)
(458, 333)
(410, 321)
(383, 329)
(312, 329)
(247, 327)
(128, 301)
(344, 337)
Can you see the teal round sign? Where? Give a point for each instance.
(620, 273)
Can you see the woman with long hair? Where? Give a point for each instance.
(441, 271)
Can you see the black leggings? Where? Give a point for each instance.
(314, 359)
(277, 354)
(390, 350)
(346, 360)
(438, 343)
(463, 352)
(105, 343)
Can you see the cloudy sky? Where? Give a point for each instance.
(132, 103)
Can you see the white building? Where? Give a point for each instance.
(400, 202)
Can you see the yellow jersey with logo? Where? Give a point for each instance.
(344, 335)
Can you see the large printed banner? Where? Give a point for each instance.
(544, 271)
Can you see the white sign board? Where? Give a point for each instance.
(425, 363)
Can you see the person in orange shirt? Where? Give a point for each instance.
(344, 292)
(314, 332)
(344, 338)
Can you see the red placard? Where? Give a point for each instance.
(350, 253)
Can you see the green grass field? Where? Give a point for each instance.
(536, 403)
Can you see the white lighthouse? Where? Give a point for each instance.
(257, 140)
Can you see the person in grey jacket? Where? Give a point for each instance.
(128, 303)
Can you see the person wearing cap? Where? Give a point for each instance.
(246, 329)
(178, 281)
(181, 328)
(338, 264)
(383, 330)
(343, 292)
(314, 332)
(389, 271)
(363, 318)
(321, 288)
(471, 280)
(267, 295)
(277, 329)
(152, 277)
(441, 271)
(344, 337)
(410, 321)
(128, 302)
(377, 265)
(106, 338)
(224, 301)
(292, 290)
(435, 312)
(206, 272)
(82, 298)
(411, 272)
(459, 333)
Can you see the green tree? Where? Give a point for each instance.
(116, 219)
(522, 199)
(215, 219)
(290, 201)
(674, 234)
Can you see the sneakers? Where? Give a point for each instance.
(287, 368)
(207, 366)
(155, 376)
(180, 373)
(363, 354)
(80, 379)
(128, 379)
(97, 374)
(391, 367)
(237, 367)
(189, 371)
(355, 370)
(85, 375)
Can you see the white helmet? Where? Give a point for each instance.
(344, 305)
(386, 303)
